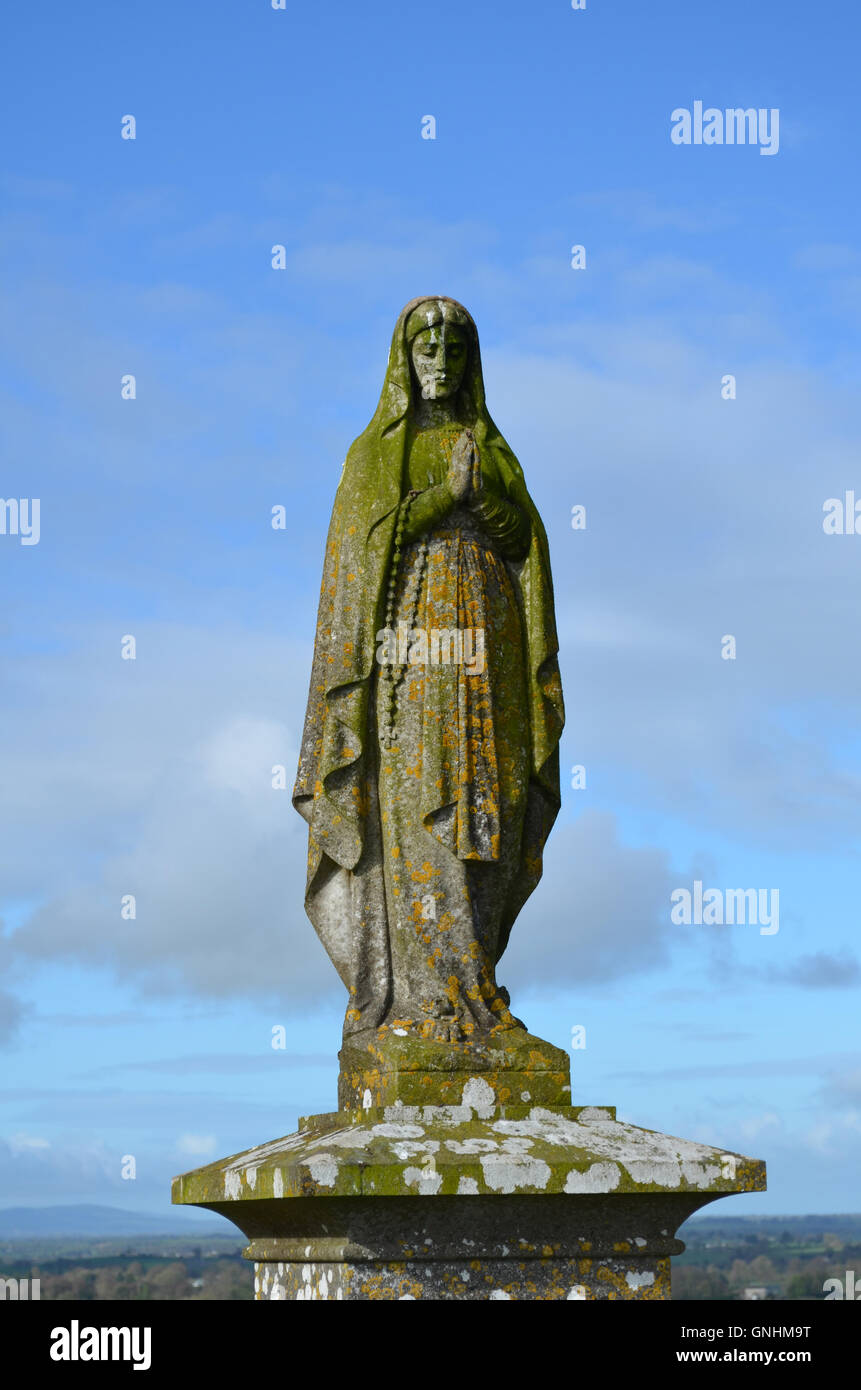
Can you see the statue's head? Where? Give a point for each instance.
(439, 334)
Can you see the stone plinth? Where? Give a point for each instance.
(392, 1064)
(477, 1200)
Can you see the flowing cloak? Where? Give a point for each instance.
(335, 790)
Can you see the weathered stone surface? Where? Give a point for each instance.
(506, 1067)
(471, 1201)
(548, 1277)
(467, 1150)
(429, 767)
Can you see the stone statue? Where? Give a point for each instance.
(429, 777)
(429, 768)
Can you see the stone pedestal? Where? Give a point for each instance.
(479, 1199)
(396, 1065)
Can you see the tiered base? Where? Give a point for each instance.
(469, 1201)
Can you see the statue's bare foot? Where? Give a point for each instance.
(444, 1025)
(448, 1030)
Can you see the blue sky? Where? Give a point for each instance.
(302, 127)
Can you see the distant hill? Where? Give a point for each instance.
(21, 1223)
(849, 1223)
(35, 1223)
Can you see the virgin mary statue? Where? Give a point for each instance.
(429, 768)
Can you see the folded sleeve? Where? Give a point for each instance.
(504, 522)
(425, 510)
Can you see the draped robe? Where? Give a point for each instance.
(406, 957)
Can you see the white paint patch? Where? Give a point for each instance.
(467, 1187)
(278, 1183)
(367, 1100)
(508, 1172)
(264, 1151)
(402, 1112)
(578, 1293)
(426, 1180)
(251, 1177)
(472, 1146)
(639, 1279)
(400, 1032)
(479, 1096)
(702, 1174)
(232, 1183)
(397, 1131)
(516, 1146)
(500, 1293)
(598, 1177)
(446, 1114)
(413, 1148)
(323, 1169)
(356, 1137)
(661, 1172)
(651, 1158)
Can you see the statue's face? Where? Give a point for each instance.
(439, 356)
